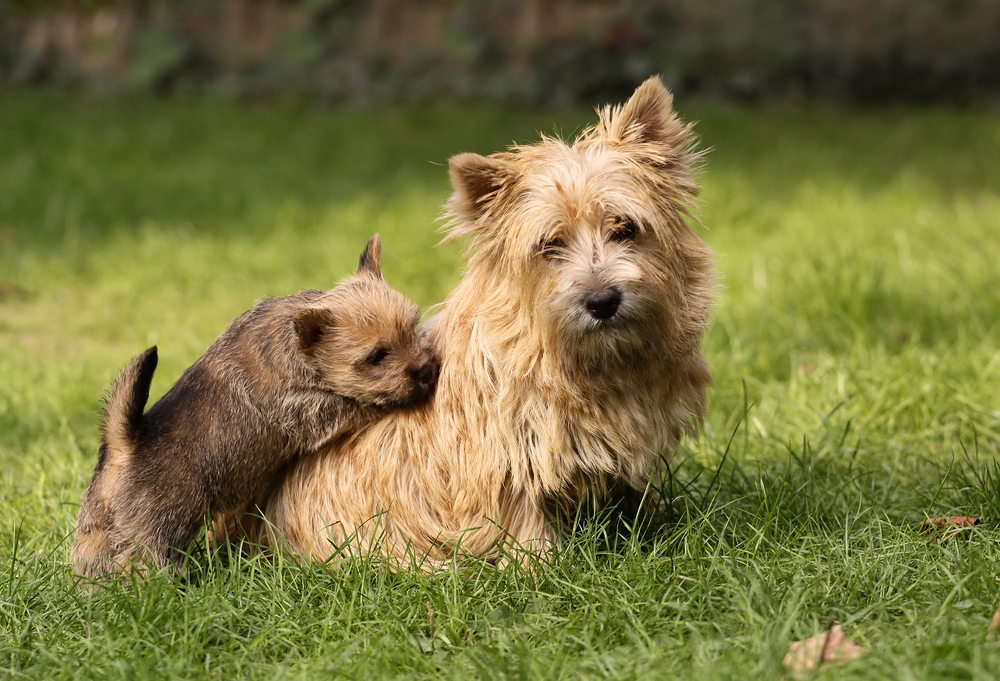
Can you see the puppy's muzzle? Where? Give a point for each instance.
(423, 378)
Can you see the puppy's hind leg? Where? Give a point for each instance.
(93, 549)
(157, 536)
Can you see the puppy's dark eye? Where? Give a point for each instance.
(551, 247)
(626, 229)
(376, 357)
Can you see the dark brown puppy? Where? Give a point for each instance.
(286, 378)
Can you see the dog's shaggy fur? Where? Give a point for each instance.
(288, 377)
(571, 353)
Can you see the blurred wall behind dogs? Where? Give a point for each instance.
(535, 51)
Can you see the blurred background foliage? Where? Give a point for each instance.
(549, 52)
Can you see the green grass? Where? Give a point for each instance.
(856, 349)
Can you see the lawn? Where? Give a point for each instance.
(856, 351)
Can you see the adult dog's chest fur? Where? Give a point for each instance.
(557, 432)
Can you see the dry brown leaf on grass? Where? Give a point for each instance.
(821, 651)
(949, 527)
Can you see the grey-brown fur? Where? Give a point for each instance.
(287, 377)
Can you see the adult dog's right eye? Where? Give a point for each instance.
(549, 248)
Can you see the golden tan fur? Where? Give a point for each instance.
(286, 378)
(570, 354)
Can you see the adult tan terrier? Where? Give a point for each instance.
(571, 354)
(286, 378)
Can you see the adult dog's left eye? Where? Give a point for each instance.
(626, 229)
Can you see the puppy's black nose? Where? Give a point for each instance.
(603, 305)
(425, 375)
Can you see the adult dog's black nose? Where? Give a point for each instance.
(603, 305)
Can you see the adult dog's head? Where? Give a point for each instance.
(586, 246)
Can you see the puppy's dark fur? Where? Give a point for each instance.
(285, 378)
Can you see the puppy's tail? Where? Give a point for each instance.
(94, 552)
(125, 403)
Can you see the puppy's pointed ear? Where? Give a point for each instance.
(369, 258)
(477, 182)
(648, 116)
(312, 324)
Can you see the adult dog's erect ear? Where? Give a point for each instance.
(477, 182)
(647, 117)
(311, 324)
(369, 258)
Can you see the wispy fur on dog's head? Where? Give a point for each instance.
(599, 225)
(362, 337)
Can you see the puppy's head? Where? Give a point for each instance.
(363, 340)
(589, 241)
